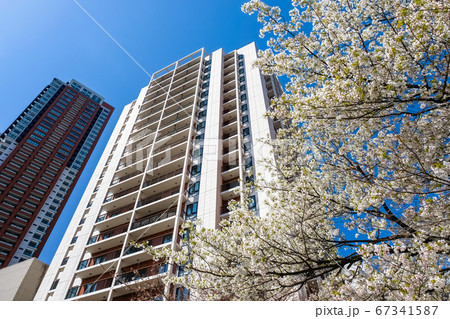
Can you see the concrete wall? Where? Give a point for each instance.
(21, 281)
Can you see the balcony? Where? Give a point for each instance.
(159, 216)
(89, 288)
(114, 213)
(158, 196)
(167, 146)
(173, 132)
(99, 259)
(142, 273)
(164, 161)
(163, 177)
(120, 194)
(228, 135)
(125, 177)
(107, 234)
(228, 167)
(230, 185)
(175, 120)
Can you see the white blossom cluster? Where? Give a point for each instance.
(360, 202)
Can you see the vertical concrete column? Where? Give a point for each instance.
(209, 200)
(258, 103)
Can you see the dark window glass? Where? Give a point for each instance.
(65, 260)
(201, 125)
(246, 131)
(167, 239)
(191, 210)
(245, 119)
(195, 170)
(54, 284)
(194, 188)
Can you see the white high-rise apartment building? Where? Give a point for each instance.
(181, 150)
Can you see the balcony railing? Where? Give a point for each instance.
(225, 136)
(167, 146)
(110, 233)
(178, 119)
(121, 194)
(163, 177)
(123, 165)
(226, 111)
(227, 167)
(165, 161)
(125, 177)
(142, 273)
(99, 259)
(229, 122)
(175, 131)
(115, 212)
(158, 196)
(154, 218)
(224, 210)
(88, 288)
(230, 185)
(228, 150)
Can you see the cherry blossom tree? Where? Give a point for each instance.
(360, 195)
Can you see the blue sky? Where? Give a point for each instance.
(40, 40)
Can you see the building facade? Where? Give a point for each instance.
(42, 154)
(181, 150)
(21, 281)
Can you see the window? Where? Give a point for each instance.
(244, 107)
(246, 131)
(207, 69)
(245, 119)
(167, 239)
(163, 267)
(54, 284)
(252, 204)
(203, 103)
(182, 293)
(201, 114)
(208, 62)
(241, 71)
(194, 188)
(242, 87)
(72, 292)
(195, 169)
(99, 259)
(65, 260)
(204, 94)
(90, 288)
(201, 125)
(83, 264)
(240, 56)
(243, 97)
(32, 142)
(200, 137)
(206, 77)
(248, 162)
(74, 240)
(191, 210)
(205, 85)
(198, 152)
(241, 63)
(28, 252)
(241, 78)
(247, 147)
(82, 221)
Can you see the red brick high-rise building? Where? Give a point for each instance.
(42, 154)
